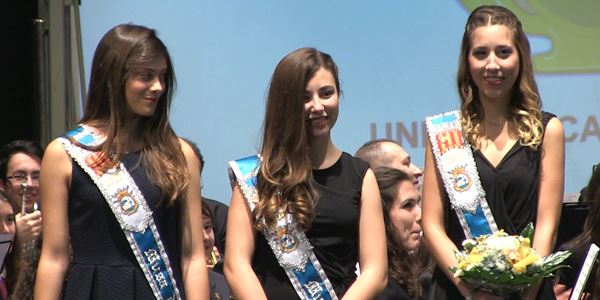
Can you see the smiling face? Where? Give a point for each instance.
(144, 88)
(208, 237)
(321, 103)
(22, 168)
(493, 62)
(405, 216)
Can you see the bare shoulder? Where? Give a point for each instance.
(56, 161)
(188, 152)
(554, 132)
(55, 152)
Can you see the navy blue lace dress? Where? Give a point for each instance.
(103, 265)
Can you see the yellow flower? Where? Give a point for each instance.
(521, 266)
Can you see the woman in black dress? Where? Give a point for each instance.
(125, 131)
(331, 195)
(518, 150)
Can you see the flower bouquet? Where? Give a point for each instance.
(502, 264)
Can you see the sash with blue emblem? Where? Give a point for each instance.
(129, 208)
(287, 240)
(458, 171)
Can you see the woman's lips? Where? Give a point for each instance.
(319, 122)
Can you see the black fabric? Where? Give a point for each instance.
(568, 276)
(393, 291)
(219, 290)
(103, 265)
(512, 189)
(333, 234)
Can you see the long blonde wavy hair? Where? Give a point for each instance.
(123, 50)
(525, 106)
(285, 177)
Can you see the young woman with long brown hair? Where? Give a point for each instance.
(121, 188)
(302, 188)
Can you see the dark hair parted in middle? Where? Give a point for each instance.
(285, 151)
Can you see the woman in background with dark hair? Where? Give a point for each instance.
(580, 245)
(400, 200)
(121, 187)
(303, 190)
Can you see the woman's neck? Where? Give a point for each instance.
(323, 153)
(495, 113)
(131, 136)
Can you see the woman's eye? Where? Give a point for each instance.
(505, 52)
(479, 53)
(326, 92)
(145, 76)
(408, 204)
(307, 98)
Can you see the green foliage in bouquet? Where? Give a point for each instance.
(502, 263)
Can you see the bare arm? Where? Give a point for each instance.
(372, 244)
(193, 262)
(552, 173)
(434, 233)
(55, 178)
(239, 248)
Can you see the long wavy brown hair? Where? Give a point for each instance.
(121, 52)
(525, 106)
(285, 177)
(402, 266)
(591, 230)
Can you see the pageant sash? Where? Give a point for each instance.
(288, 242)
(130, 209)
(458, 171)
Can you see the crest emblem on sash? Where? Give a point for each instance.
(127, 203)
(288, 243)
(461, 179)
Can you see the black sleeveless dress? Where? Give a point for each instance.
(334, 231)
(103, 265)
(512, 189)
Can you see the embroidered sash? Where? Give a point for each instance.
(288, 242)
(130, 209)
(458, 171)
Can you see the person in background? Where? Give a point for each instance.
(7, 227)
(388, 153)
(218, 285)
(518, 151)
(304, 191)
(20, 162)
(217, 209)
(400, 199)
(579, 247)
(121, 188)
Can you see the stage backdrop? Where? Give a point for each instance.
(397, 62)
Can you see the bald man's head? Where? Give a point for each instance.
(388, 153)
